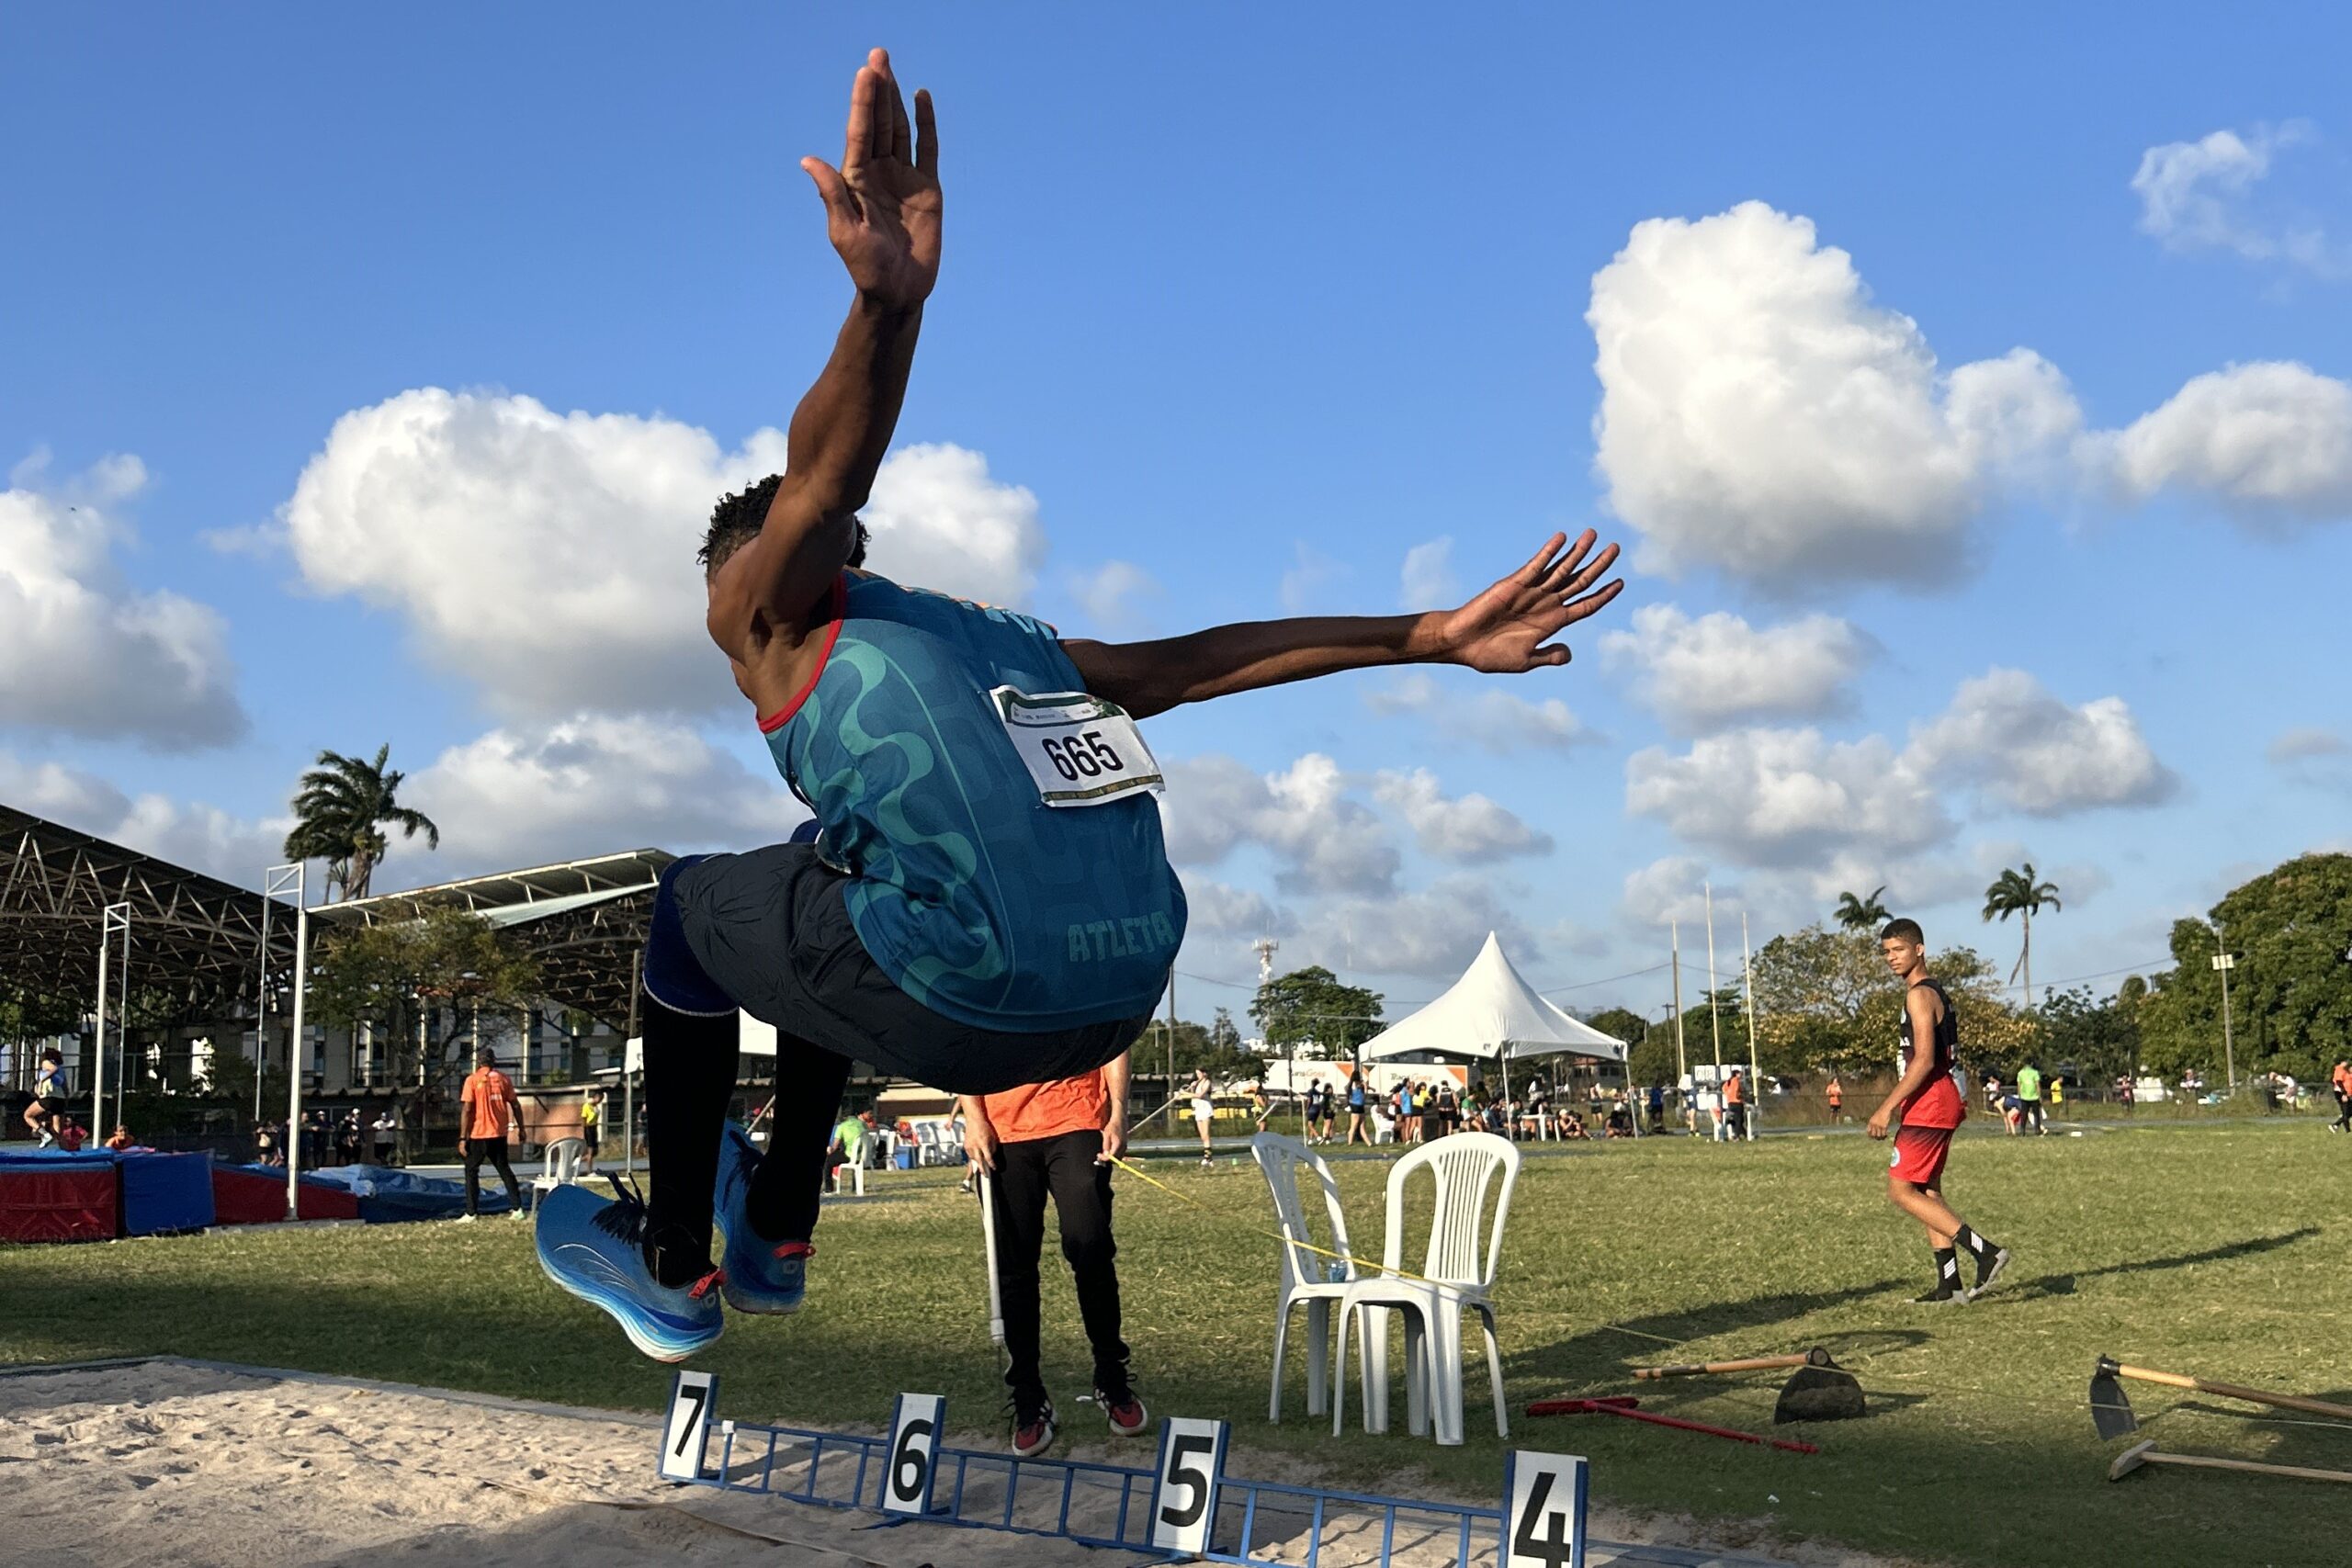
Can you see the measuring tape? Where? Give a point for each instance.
(1277, 1236)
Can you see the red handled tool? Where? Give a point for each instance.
(1625, 1405)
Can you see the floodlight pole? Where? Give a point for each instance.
(1681, 1063)
(1747, 982)
(280, 876)
(275, 880)
(2224, 963)
(1713, 1016)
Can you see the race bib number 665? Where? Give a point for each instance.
(1080, 749)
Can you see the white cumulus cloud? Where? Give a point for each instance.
(1323, 840)
(2204, 195)
(1787, 797)
(1426, 581)
(593, 784)
(1702, 673)
(550, 558)
(1761, 417)
(82, 652)
(2026, 749)
(2270, 442)
(1483, 714)
(1469, 829)
(1431, 932)
(1110, 595)
(201, 838)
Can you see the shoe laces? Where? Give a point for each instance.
(628, 1218)
(1028, 1409)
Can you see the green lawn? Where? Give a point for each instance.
(2213, 1249)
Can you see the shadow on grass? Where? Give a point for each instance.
(1611, 1350)
(2064, 1284)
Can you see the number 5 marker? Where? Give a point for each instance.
(1183, 1502)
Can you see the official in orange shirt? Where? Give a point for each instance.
(486, 1106)
(1056, 1138)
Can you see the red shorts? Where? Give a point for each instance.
(1919, 1153)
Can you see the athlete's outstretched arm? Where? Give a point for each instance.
(1507, 631)
(882, 213)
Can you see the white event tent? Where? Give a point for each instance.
(1492, 1014)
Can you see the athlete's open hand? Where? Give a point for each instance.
(1507, 629)
(882, 205)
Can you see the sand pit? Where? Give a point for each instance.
(165, 1461)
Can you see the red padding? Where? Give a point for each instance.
(248, 1195)
(78, 1203)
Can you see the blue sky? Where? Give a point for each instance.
(1240, 307)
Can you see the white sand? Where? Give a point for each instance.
(168, 1464)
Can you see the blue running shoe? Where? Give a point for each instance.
(594, 1247)
(755, 1274)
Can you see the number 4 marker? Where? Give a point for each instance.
(1543, 1506)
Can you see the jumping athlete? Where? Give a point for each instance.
(48, 1084)
(1926, 1109)
(989, 902)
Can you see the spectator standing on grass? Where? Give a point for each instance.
(2030, 1095)
(1736, 1104)
(1837, 1092)
(1359, 1104)
(1260, 1106)
(384, 1128)
(1657, 1105)
(1057, 1139)
(486, 1107)
(592, 1125)
(2339, 1079)
(1204, 1094)
(2057, 1092)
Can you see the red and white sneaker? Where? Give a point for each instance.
(1123, 1411)
(1033, 1424)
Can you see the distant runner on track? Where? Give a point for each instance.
(989, 901)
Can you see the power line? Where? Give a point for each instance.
(1629, 975)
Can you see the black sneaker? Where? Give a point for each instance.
(1942, 1295)
(1988, 1269)
(1032, 1423)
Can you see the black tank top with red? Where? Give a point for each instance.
(1938, 1104)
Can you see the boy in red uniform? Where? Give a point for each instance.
(1925, 1109)
(1056, 1137)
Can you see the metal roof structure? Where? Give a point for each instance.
(584, 921)
(196, 942)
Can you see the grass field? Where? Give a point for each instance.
(2216, 1249)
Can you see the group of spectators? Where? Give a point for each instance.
(1416, 1110)
(352, 1138)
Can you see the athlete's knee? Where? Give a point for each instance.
(673, 976)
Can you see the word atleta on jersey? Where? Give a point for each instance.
(988, 891)
(1938, 1104)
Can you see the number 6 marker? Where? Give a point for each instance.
(915, 1424)
(1543, 1501)
(1183, 1501)
(686, 1433)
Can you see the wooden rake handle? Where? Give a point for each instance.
(2206, 1462)
(1753, 1364)
(2236, 1391)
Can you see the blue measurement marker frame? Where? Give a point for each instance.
(1479, 1530)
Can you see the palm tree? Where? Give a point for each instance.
(1861, 914)
(337, 814)
(2017, 893)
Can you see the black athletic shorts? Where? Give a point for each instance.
(770, 930)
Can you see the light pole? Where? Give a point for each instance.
(2224, 963)
(279, 878)
(275, 880)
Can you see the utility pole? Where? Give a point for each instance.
(1713, 1016)
(2224, 963)
(1747, 982)
(1682, 1064)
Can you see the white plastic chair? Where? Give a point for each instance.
(1383, 1127)
(560, 1165)
(1458, 1277)
(1288, 1167)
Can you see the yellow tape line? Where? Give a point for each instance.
(1276, 1236)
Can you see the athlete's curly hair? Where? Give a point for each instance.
(736, 519)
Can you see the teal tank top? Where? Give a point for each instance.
(980, 901)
